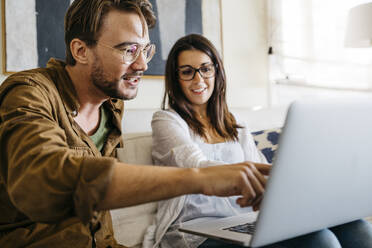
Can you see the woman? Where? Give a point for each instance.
(197, 130)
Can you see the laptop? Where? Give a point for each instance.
(321, 176)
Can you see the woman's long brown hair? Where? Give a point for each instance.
(221, 119)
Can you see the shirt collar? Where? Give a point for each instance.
(65, 86)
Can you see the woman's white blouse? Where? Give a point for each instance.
(175, 144)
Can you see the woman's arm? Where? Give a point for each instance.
(173, 143)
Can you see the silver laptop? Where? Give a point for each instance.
(321, 176)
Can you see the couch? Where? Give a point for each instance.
(131, 223)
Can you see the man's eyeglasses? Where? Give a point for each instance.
(131, 52)
(188, 72)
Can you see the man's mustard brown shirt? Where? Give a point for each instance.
(52, 175)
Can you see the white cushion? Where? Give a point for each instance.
(130, 223)
(137, 149)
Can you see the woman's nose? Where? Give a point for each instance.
(198, 77)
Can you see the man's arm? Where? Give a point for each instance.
(135, 184)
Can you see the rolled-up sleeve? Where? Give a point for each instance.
(46, 179)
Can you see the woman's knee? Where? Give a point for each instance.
(320, 239)
(356, 234)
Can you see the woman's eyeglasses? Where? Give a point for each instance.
(188, 72)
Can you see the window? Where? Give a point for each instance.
(307, 41)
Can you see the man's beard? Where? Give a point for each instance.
(109, 88)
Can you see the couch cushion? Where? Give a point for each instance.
(137, 149)
(130, 223)
(267, 142)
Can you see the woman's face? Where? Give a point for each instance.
(197, 89)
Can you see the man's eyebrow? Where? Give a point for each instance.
(127, 43)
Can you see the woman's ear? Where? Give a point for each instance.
(79, 51)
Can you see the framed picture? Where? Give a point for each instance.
(32, 33)
(32, 30)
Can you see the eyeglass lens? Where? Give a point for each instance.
(132, 52)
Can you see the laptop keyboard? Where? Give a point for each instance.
(247, 228)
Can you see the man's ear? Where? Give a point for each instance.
(79, 51)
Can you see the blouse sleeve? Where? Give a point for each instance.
(251, 152)
(173, 143)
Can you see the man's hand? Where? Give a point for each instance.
(243, 179)
(263, 168)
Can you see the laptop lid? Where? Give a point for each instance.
(321, 175)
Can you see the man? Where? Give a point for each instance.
(60, 127)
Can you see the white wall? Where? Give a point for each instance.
(245, 57)
(245, 52)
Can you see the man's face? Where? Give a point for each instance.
(109, 73)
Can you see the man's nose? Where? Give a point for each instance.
(140, 63)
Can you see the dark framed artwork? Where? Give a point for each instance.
(33, 30)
